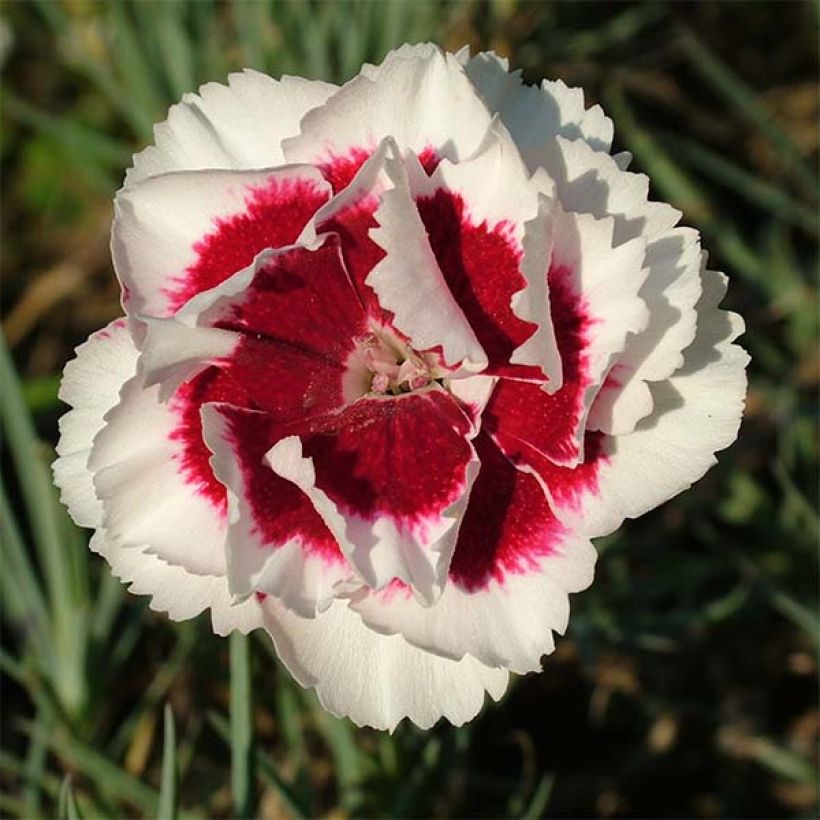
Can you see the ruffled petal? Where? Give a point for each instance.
(509, 580)
(398, 471)
(175, 591)
(277, 543)
(591, 182)
(422, 99)
(595, 303)
(179, 234)
(155, 491)
(408, 281)
(236, 126)
(489, 226)
(377, 680)
(533, 114)
(696, 413)
(90, 386)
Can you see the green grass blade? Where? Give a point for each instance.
(264, 769)
(134, 68)
(57, 554)
(168, 787)
(106, 775)
(349, 760)
(755, 190)
(186, 636)
(22, 599)
(242, 757)
(540, 798)
(252, 23)
(68, 809)
(176, 48)
(746, 102)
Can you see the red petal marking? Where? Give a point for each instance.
(340, 169)
(481, 267)
(520, 412)
(361, 254)
(567, 486)
(298, 321)
(194, 456)
(354, 223)
(404, 457)
(275, 216)
(280, 510)
(508, 525)
(302, 299)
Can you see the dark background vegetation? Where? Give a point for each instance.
(687, 684)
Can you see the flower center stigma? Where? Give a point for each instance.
(393, 367)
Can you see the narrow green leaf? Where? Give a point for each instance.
(22, 600)
(68, 809)
(783, 761)
(264, 769)
(168, 787)
(349, 760)
(133, 67)
(107, 776)
(242, 757)
(176, 48)
(540, 798)
(744, 100)
(57, 556)
(763, 194)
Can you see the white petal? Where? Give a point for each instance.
(303, 581)
(382, 548)
(408, 281)
(534, 114)
(423, 100)
(498, 191)
(91, 385)
(162, 227)
(176, 591)
(608, 281)
(591, 182)
(149, 500)
(508, 623)
(696, 413)
(239, 126)
(377, 680)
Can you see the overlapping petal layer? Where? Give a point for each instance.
(393, 353)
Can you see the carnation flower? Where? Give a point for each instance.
(392, 355)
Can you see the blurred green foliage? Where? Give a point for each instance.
(688, 683)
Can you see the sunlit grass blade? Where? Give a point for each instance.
(242, 768)
(68, 809)
(168, 787)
